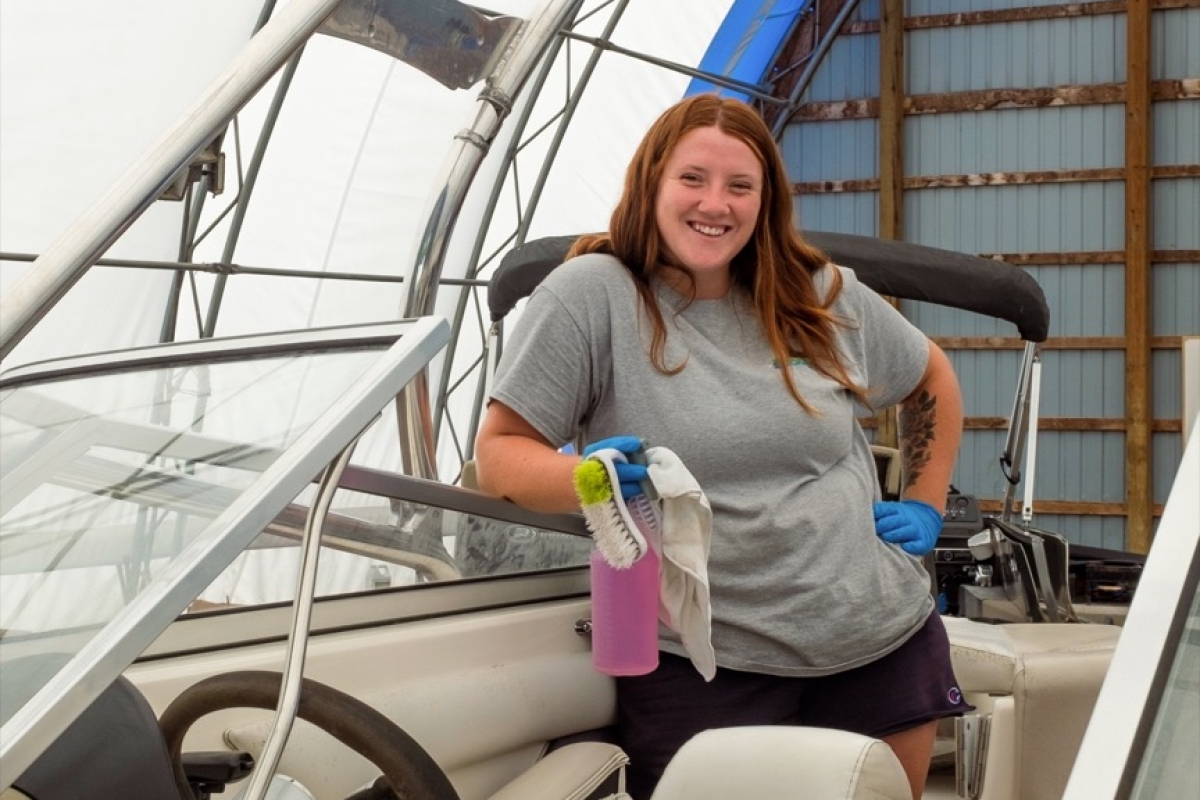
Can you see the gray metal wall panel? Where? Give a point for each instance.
(1167, 396)
(988, 379)
(1079, 465)
(1176, 213)
(1165, 455)
(836, 150)
(1012, 55)
(1176, 297)
(1008, 219)
(1093, 532)
(1174, 127)
(1083, 383)
(850, 70)
(1176, 43)
(1088, 300)
(1015, 140)
(856, 213)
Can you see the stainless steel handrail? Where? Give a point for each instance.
(297, 646)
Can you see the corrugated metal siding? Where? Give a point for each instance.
(1175, 288)
(1015, 140)
(1013, 219)
(1085, 301)
(1057, 52)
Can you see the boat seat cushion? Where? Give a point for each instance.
(988, 658)
(1053, 672)
(783, 763)
(575, 772)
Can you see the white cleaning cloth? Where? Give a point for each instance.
(686, 531)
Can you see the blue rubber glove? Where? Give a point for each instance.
(630, 475)
(912, 524)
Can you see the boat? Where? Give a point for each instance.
(253, 564)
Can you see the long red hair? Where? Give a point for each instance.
(776, 266)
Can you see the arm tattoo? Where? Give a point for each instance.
(916, 432)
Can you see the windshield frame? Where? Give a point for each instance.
(1117, 744)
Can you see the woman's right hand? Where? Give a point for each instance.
(630, 475)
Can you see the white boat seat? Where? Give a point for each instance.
(783, 763)
(992, 658)
(574, 772)
(1049, 674)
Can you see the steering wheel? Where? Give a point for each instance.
(409, 771)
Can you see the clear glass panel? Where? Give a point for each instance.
(1169, 768)
(107, 477)
(373, 543)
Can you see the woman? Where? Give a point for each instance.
(703, 322)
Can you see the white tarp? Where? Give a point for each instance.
(85, 87)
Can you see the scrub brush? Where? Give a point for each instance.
(619, 527)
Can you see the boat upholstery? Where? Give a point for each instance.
(1053, 673)
(783, 763)
(575, 772)
(766, 763)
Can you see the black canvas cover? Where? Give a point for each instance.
(898, 269)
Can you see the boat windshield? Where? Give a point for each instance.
(129, 482)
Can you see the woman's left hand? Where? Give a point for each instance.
(914, 525)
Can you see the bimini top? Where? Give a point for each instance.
(898, 269)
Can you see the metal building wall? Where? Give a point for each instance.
(1035, 178)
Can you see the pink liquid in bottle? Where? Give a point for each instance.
(625, 615)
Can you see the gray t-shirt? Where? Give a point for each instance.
(800, 583)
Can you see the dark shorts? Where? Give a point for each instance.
(659, 712)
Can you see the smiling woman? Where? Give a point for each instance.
(707, 209)
(702, 247)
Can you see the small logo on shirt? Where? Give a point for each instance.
(954, 696)
(794, 361)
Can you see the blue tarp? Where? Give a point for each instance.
(747, 43)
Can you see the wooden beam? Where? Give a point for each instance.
(1085, 508)
(1091, 257)
(1005, 15)
(1082, 424)
(1138, 409)
(913, 182)
(990, 99)
(1107, 424)
(891, 157)
(1053, 343)
(891, 120)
